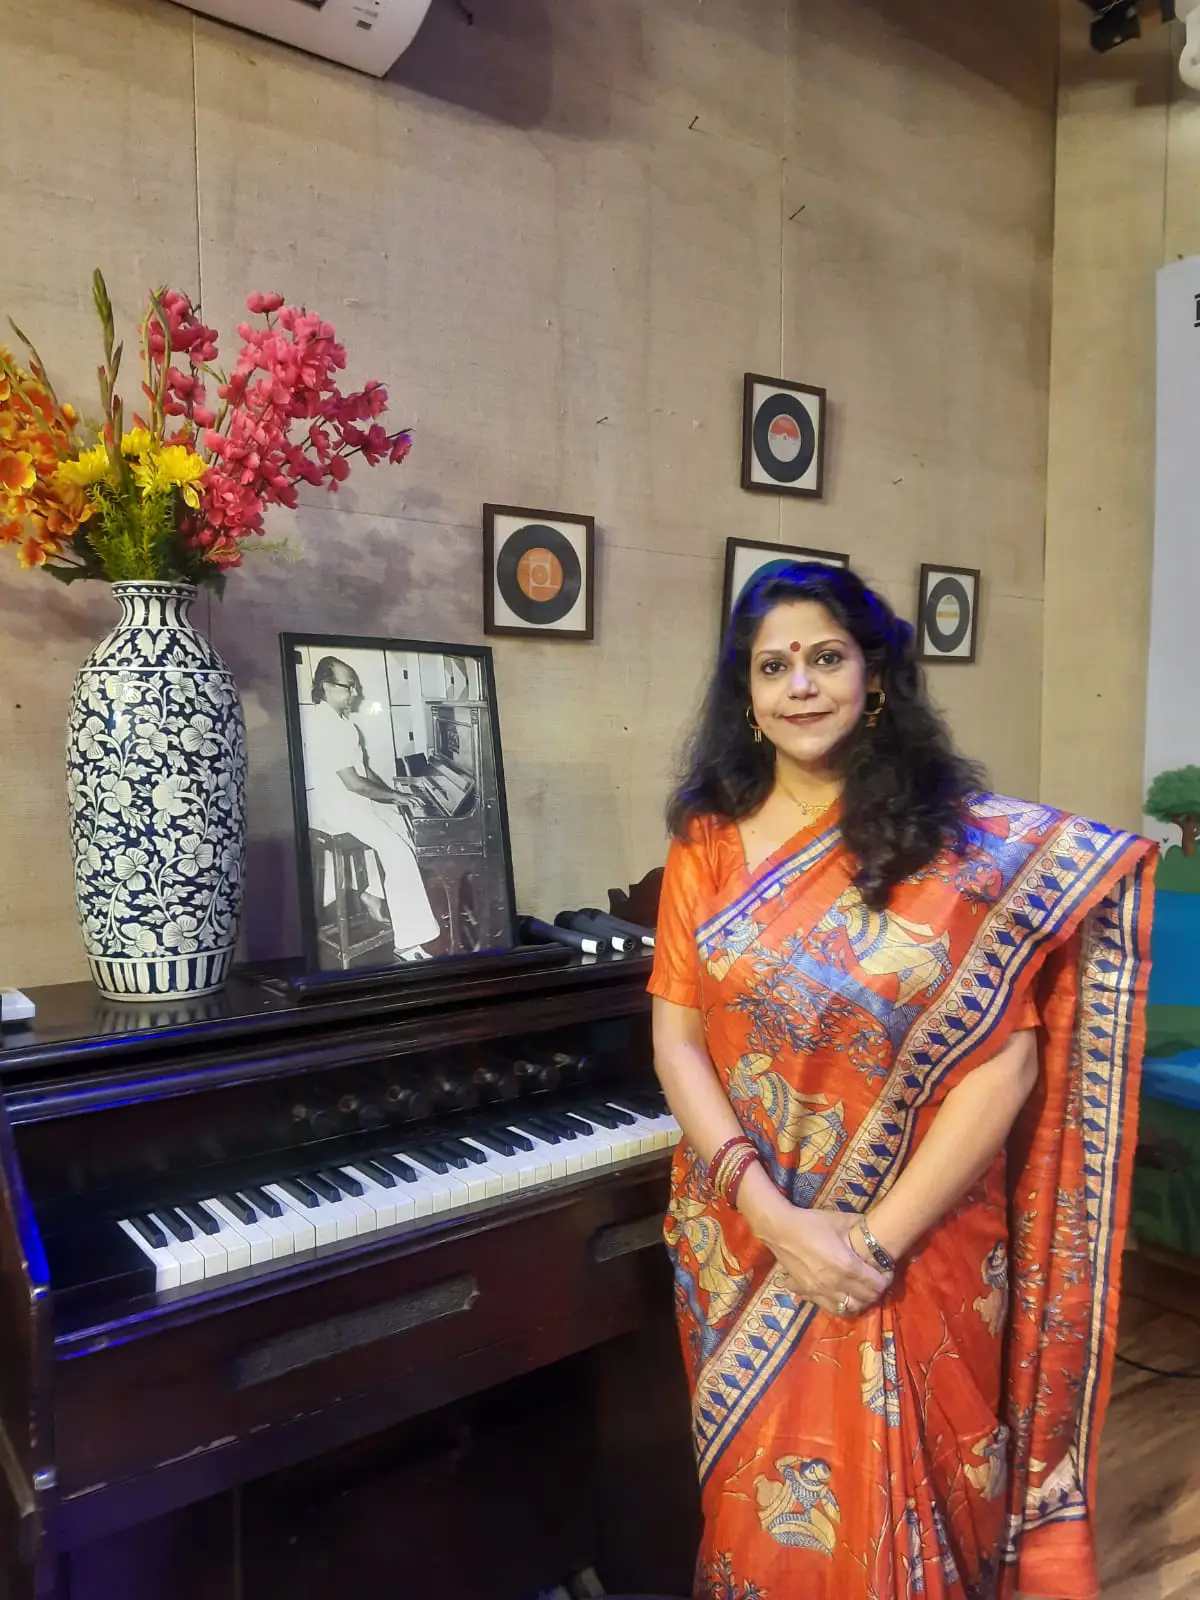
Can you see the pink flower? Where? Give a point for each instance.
(262, 304)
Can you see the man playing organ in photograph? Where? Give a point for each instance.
(398, 789)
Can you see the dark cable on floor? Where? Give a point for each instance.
(1188, 1374)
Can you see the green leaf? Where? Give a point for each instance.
(68, 574)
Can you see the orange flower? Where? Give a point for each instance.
(16, 472)
(33, 553)
(11, 532)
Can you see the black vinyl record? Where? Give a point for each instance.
(785, 439)
(562, 589)
(942, 639)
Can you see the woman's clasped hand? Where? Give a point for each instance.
(814, 1248)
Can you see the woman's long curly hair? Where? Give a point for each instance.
(903, 782)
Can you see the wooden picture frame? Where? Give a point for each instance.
(948, 613)
(426, 727)
(745, 559)
(783, 437)
(539, 573)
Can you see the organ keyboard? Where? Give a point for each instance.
(237, 1234)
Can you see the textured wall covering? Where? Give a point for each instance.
(561, 236)
(1126, 204)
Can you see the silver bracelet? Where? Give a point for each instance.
(878, 1254)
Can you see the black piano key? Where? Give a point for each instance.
(428, 1157)
(604, 1115)
(647, 1102)
(260, 1200)
(321, 1185)
(585, 1125)
(174, 1223)
(521, 1140)
(146, 1228)
(239, 1207)
(199, 1217)
(562, 1124)
(377, 1171)
(623, 1117)
(299, 1192)
(499, 1142)
(542, 1128)
(452, 1153)
(472, 1152)
(397, 1168)
(345, 1180)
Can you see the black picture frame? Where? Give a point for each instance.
(739, 572)
(805, 474)
(501, 539)
(957, 646)
(451, 773)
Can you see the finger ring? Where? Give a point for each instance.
(843, 1305)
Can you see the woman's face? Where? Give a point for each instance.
(808, 682)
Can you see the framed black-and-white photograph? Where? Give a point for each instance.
(947, 614)
(747, 559)
(538, 578)
(783, 437)
(398, 792)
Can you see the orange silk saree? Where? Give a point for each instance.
(944, 1443)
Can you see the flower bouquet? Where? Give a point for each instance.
(157, 503)
(174, 496)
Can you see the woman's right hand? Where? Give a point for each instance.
(814, 1249)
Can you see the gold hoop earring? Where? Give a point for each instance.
(874, 712)
(754, 727)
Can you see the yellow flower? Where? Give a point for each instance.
(89, 467)
(174, 466)
(137, 442)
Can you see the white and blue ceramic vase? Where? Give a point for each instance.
(156, 776)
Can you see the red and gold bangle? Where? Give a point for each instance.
(729, 1148)
(736, 1172)
(729, 1165)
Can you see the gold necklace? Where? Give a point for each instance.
(809, 809)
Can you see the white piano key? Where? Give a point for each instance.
(307, 1225)
(363, 1213)
(418, 1190)
(255, 1238)
(535, 1165)
(191, 1263)
(643, 1135)
(450, 1193)
(167, 1274)
(212, 1253)
(555, 1154)
(504, 1168)
(386, 1203)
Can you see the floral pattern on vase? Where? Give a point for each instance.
(156, 779)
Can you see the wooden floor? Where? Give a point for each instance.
(1148, 1511)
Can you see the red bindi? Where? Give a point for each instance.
(794, 647)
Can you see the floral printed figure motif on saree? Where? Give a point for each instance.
(900, 1021)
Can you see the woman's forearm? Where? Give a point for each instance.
(701, 1107)
(968, 1132)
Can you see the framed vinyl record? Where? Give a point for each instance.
(947, 614)
(783, 437)
(538, 573)
(748, 559)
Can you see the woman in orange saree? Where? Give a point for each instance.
(922, 1005)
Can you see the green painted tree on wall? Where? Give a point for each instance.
(1175, 797)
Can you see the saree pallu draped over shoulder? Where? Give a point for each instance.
(943, 1443)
